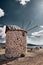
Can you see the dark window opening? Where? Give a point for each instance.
(22, 55)
(17, 38)
(23, 34)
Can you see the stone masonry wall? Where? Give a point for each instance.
(15, 43)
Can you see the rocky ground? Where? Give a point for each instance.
(32, 58)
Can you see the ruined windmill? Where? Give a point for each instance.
(16, 41)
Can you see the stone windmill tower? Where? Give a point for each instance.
(15, 41)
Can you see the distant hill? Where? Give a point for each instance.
(2, 45)
(31, 44)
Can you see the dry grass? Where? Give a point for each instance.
(32, 58)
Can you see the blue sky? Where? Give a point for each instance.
(26, 14)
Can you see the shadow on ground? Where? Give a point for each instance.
(5, 60)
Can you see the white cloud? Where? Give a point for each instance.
(29, 40)
(4, 41)
(2, 34)
(23, 2)
(1, 12)
(36, 37)
(39, 33)
(41, 26)
(35, 40)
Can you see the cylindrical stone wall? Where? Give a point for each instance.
(15, 43)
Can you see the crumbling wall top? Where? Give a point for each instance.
(13, 28)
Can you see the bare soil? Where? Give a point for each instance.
(31, 58)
